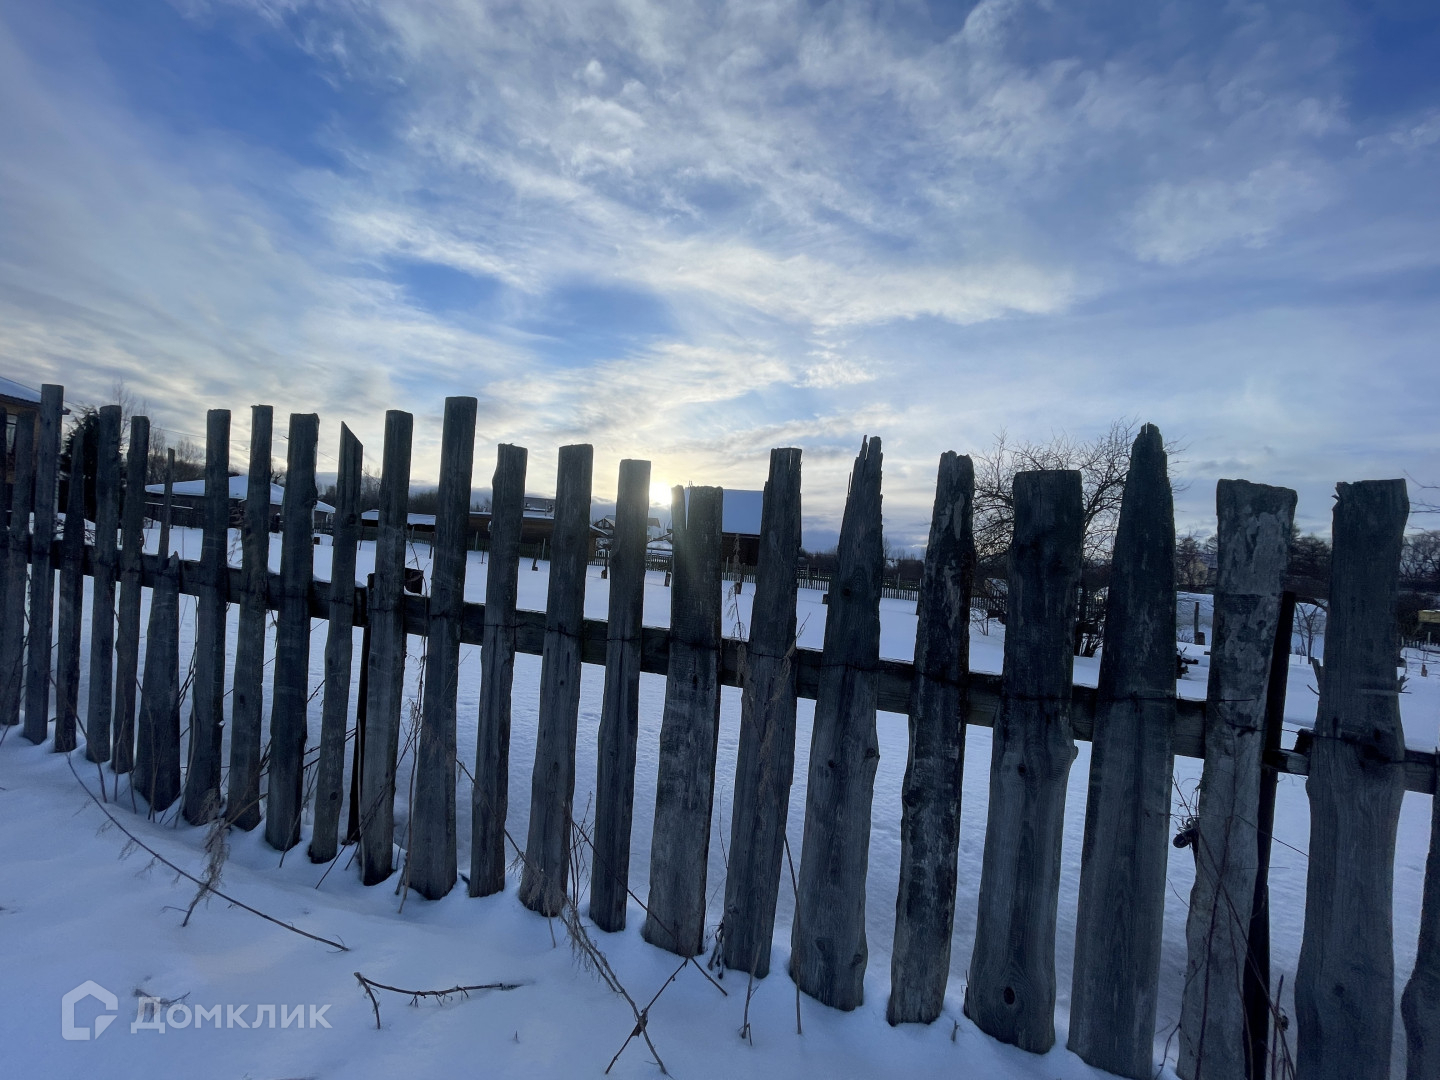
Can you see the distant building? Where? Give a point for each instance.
(739, 525)
(188, 498)
(21, 405)
(537, 526)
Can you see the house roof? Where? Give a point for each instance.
(239, 486)
(19, 391)
(739, 510)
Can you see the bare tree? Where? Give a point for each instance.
(1102, 461)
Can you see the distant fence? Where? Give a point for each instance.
(1356, 758)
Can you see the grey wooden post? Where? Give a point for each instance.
(490, 796)
(71, 600)
(620, 707)
(552, 784)
(1420, 1004)
(127, 639)
(8, 629)
(930, 798)
(386, 676)
(828, 947)
(288, 712)
(1254, 541)
(100, 696)
(1011, 990)
(42, 570)
(1345, 980)
(1258, 990)
(12, 613)
(765, 760)
(242, 804)
(1121, 911)
(689, 731)
(201, 798)
(339, 649)
(157, 743)
(430, 861)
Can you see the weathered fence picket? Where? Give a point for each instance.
(689, 731)
(1114, 992)
(242, 804)
(1345, 980)
(156, 775)
(930, 820)
(1420, 1004)
(12, 599)
(290, 699)
(430, 862)
(828, 947)
(1259, 995)
(339, 651)
(765, 760)
(490, 797)
(1011, 991)
(620, 705)
(127, 635)
(545, 875)
(100, 698)
(1254, 540)
(386, 675)
(71, 600)
(42, 567)
(200, 800)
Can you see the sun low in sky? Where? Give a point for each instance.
(692, 232)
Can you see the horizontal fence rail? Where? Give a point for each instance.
(896, 677)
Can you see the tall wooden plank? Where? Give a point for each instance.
(291, 694)
(689, 731)
(127, 637)
(242, 802)
(288, 711)
(12, 600)
(490, 796)
(1259, 991)
(765, 760)
(201, 798)
(552, 785)
(385, 678)
(1011, 990)
(1345, 980)
(42, 570)
(1420, 1004)
(620, 707)
(8, 629)
(430, 862)
(71, 600)
(339, 649)
(828, 947)
(157, 737)
(930, 798)
(1254, 541)
(1121, 911)
(100, 697)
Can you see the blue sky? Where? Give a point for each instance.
(693, 232)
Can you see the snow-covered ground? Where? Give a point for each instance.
(76, 906)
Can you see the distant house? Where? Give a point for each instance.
(21, 405)
(188, 498)
(739, 525)
(537, 526)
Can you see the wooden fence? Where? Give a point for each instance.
(1356, 759)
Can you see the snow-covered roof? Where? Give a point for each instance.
(19, 391)
(740, 511)
(410, 519)
(239, 486)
